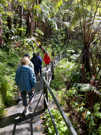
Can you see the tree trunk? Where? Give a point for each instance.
(28, 23)
(20, 22)
(9, 22)
(86, 62)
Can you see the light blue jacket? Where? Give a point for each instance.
(25, 78)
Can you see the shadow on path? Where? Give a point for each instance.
(12, 119)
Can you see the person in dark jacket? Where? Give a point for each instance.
(25, 80)
(37, 61)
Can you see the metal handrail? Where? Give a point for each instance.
(65, 118)
(52, 118)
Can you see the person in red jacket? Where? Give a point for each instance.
(46, 58)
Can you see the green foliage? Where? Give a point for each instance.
(60, 95)
(1, 106)
(76, 100)
(92, 118)
(99, 130)
(71, 92)
(6, 89)
(65, 71)
(62, 129)
(8, 65)
(84, 87)
(64, 19)
(96, 107)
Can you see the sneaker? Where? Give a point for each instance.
(27, 112)
(30, 109)
(24, 111)
(18, 100)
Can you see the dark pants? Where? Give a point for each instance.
(37, 70)
(24, 97)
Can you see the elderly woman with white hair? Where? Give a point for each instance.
(25, 80)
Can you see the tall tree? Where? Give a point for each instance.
(85, 13)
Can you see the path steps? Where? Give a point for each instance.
(14, 124)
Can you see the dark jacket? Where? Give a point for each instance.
(37, 61)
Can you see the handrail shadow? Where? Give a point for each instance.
(12, 119)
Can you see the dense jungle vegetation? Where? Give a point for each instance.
(71, 29)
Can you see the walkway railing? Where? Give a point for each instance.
(68, 123)
(46, 89)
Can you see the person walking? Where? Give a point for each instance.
(25, 80)
(37, 61)
(46, 59)
(30, 65)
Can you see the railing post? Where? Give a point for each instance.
(65, 118)
(52, 65)
(45, 94)
(52, 69)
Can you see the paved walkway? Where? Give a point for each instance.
(14, 124)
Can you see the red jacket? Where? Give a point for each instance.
(46, 59)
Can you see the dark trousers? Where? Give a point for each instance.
(24, 97)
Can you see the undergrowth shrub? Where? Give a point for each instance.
(6, 90)
(8, 65)
(65, 71)
(60, 124)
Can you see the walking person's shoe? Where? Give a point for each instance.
(30, 109)
(18, 100)
(24, 112)
(27, 110)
